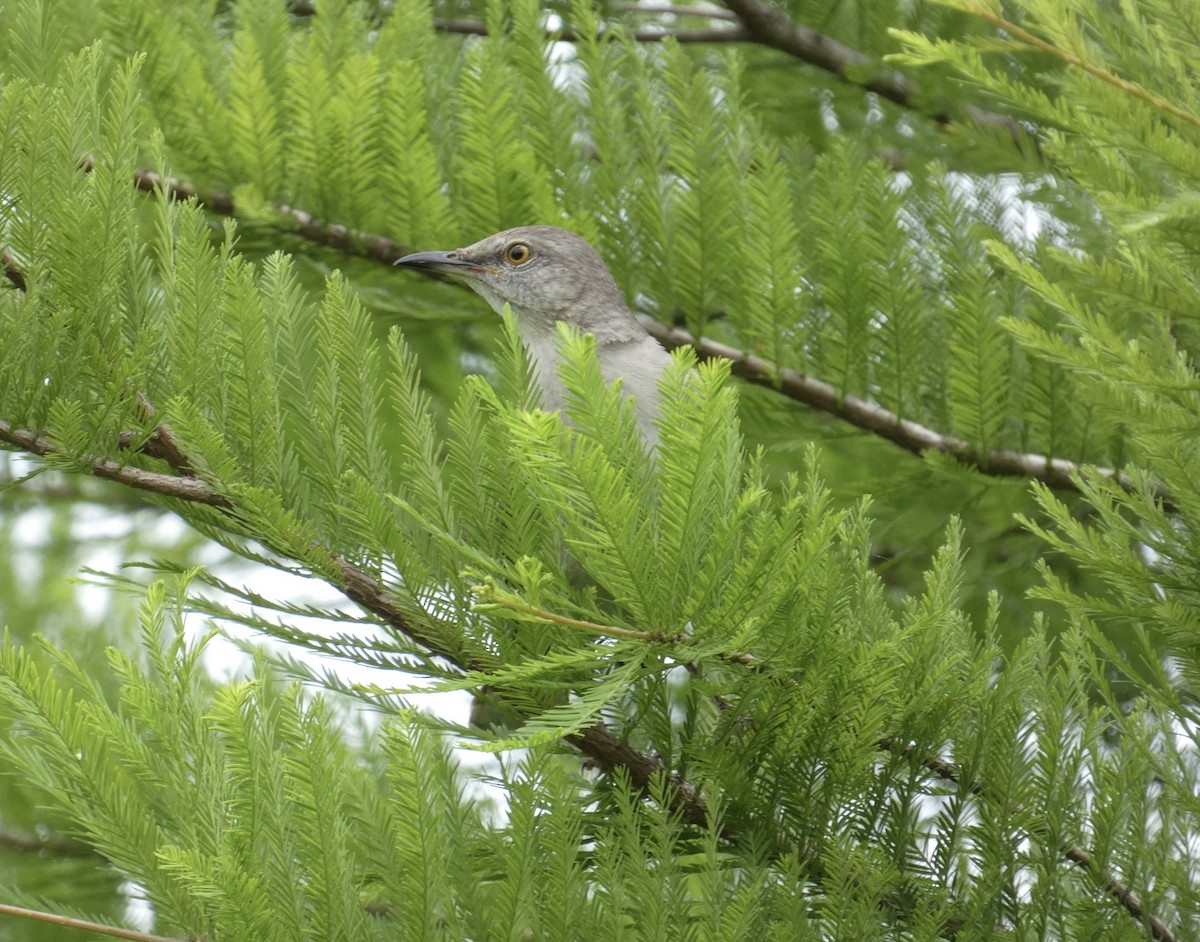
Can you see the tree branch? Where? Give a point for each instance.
(161, 444)
(12, 272)
(670, 9)
(35, 915)
(772, 27)
(191, 489)
(1129, 900)
(1053, 472)
(641, 34)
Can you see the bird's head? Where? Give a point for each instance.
(545, 274)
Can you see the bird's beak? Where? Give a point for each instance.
(447, 263)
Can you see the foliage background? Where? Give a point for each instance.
(933, 678)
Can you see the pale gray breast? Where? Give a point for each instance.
(637, 363)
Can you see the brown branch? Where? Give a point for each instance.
(150, 182)
(190, 489)
(772, 27)
(377, 248)
(67, 922)
(610, 754)
(642, 34)
(161, 444)
(870, 417)
(649, 9)
(669, 9)
(769, 26)
(343, 238)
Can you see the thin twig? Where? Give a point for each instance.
(642, 34)
(35, 915)
(1132, 88)
(1129, 900)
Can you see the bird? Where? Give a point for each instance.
(546, 276)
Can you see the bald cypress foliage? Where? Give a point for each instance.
(893, 637)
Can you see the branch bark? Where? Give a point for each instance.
(67, 922)
(191, 489)
(12, 271)
(641, 34)
(670, 9)
(1054, 472)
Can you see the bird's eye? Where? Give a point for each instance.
(517, 253)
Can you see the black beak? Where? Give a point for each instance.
(447, 262)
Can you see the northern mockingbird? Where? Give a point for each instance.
(547, 275)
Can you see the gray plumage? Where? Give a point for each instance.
(547, 275)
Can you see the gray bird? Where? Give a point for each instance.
(547, 275)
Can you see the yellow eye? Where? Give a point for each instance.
(517, 253)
